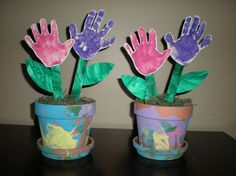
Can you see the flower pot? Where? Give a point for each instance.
(65, 128)
(161, 131)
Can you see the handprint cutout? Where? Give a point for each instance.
(47, 46)
(186, 48)
(145, 56)
(90, 40)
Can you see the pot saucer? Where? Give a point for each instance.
(154, 154)
(65, 154)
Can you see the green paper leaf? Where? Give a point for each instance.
(191, 80)
(40, 74)
(96, 73)
(137, 86)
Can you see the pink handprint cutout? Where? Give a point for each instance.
(145, 56)
(47, 46)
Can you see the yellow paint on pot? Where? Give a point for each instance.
(161, 140)
(58, 138)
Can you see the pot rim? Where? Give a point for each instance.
(185, 106)
(64, 111)
(164, 112)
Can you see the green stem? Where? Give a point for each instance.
(57, 83)
(174, 83)
(151, 86)
(78, 79)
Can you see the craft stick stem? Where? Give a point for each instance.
(151, 86)
(174, 83)
(78, 79)
(56, 82)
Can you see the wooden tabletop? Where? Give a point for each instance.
(209, 153)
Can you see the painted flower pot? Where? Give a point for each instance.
(65, 130)
(161, 131)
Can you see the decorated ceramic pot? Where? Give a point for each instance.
(65, 128)
(162, 129)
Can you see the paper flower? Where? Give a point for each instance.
(52, 53)
(186, 48)
(47, 46)
(147, 59)
(145, 56)
(90, 40)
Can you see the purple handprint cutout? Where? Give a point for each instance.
(186, 48)
(90, 40)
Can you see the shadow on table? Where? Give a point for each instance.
(140, 166)
(49, 167)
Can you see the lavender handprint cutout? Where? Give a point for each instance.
(90, 40)
(186, 48)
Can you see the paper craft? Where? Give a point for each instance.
(147, 60)
(87, 44)
(90, 40)
(47, 46)
(145, 56)
(186, 48)
(52, 53)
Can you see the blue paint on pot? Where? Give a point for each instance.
(65, 127)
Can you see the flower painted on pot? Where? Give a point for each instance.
(90, 40)
(58, 138)
(161, 140)
(145, 56)
(47, 46)
(157, 139)
(186, 48)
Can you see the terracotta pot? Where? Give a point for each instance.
(64, 128)
(162, 129)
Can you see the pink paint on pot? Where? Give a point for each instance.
(160, 127)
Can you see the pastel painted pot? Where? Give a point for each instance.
(65, 127)
(162, 128)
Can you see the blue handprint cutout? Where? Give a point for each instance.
(186, 48)
(90, 40)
